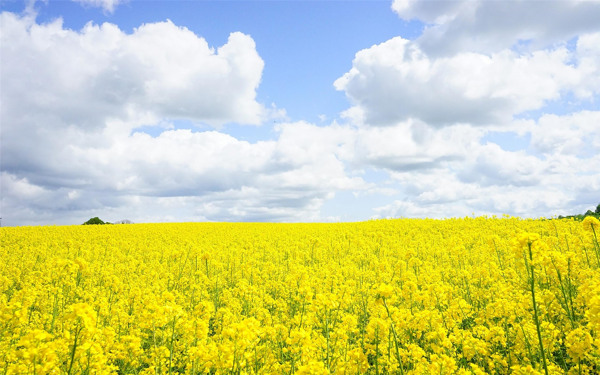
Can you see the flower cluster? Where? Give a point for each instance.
(457, 296)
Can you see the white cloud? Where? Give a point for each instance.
(588, 55)
(488, 26)
(396, 80)
(491, 165)
(108, 5)
(85, 77)
(576, 134)
(413, 146)
(482, 63)
(71, 104)
(181, 174)
(531, 203)
(486, 179)
(74, 103)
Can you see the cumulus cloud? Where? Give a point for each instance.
(558, 176)
(179, 175)
(75, 104)
(477, 62)
(61, 86)
(85, 77)
(396, 80)
(412, 145)
(488, 26)
(531, 203)
(444, 194)
(575, 134)
(107, 5)
(72, 104)
(588, 61)
(561, 171)
(491, 165)
(423, 108)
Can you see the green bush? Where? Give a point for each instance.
(94, 221)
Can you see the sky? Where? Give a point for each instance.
(297, 111)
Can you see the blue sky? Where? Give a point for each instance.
(292, 111)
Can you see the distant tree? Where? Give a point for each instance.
(589, 213)
(124, 221)
(94, 221)
(598, 210)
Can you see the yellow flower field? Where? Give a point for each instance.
(457, 296)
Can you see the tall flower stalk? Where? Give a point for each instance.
(530, 239)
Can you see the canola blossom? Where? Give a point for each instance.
(406, 296)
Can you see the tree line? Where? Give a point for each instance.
(97, 221)
(596, 214)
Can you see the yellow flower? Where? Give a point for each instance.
(83, 313)
(313, 368)
(384, 291)
(591, 224)
(442, 364)
(527, 239)
(579, 343)
(301, 298)
(525, 370)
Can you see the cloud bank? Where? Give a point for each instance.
(397, 80)
(483, 26)
(445, 125)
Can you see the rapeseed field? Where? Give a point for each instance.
(406, 296)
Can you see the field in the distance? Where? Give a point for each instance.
(460, 296)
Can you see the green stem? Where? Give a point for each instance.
(377, 351)
(171, 345)
(565, 302)
(73, 351)
(596, 245)
(395, 336)
(535, 311)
